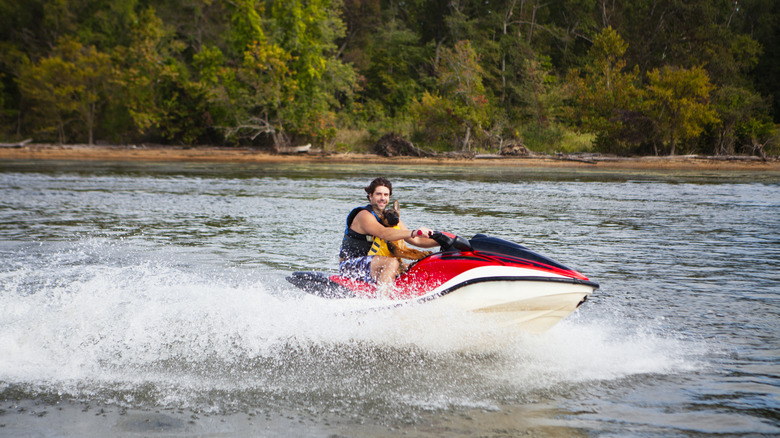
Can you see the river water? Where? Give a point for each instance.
(150, 300)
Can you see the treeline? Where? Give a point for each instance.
(625, 77)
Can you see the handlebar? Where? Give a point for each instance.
(449, 241)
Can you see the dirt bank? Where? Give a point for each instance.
(246, 155)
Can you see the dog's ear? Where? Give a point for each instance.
(396, 207)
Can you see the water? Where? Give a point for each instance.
(150, 300)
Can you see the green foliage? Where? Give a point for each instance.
(460, 78)
(104, 23)
(10, 60)
(543, 139)
(307, 30)
(437, 125)
(460, 74)
(742, 115)
(157, 90)
(46, 87)
(542, 96)
(247, 100)
(67, 86)
(391, 78)
(605, 92)
(555, 138)
(772, 144)
(461, 112)
(761, 20)
(678, 103)
(758, 135)
(246, 25)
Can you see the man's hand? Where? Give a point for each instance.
(423, 231)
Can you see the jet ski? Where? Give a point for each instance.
(499, 279)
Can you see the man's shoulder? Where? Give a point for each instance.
(364, 214)
(355, 211)
(356, 216)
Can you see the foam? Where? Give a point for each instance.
(95, 318)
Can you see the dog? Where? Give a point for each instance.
(397, 248)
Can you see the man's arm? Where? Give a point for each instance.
(366, 223)
(423, 241)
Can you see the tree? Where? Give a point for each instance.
(462, 109)
(604, 93)
(157, 90)
(307, 31)
(47, 93)
(738, 109)
(678, 102)
(362, 19)
(249, 97)
(198, 23)
(761, 20)
(392, 78)
(66, 86)
(537, 92)
(246, 95)
(759, 133)
(285, 81)
(188, 70)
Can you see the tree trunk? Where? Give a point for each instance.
(505, 31)
(533, 21)
(61, 132)
(725, 142)
(437, 55)
(281, 140)
(503, 78)
(91, 122)
(759, 148)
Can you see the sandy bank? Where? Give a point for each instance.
(246, 155)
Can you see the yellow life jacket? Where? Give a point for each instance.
(379, 247)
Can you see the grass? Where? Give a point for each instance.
(550, 140)
(351, 140)
(556, 139)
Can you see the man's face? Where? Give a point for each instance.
(380, 198)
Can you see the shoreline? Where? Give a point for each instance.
(77, 152)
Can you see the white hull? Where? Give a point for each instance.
(530, 299)
(531, 305)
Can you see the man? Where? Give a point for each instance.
(363, 224)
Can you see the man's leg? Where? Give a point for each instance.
(383, 271)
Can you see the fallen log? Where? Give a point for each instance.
(15, 145)
(393, 145)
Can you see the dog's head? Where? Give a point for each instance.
(391, 215)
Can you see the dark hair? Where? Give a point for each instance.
(381, 181)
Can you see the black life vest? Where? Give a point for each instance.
(354, 244)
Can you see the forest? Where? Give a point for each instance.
(641, 77)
